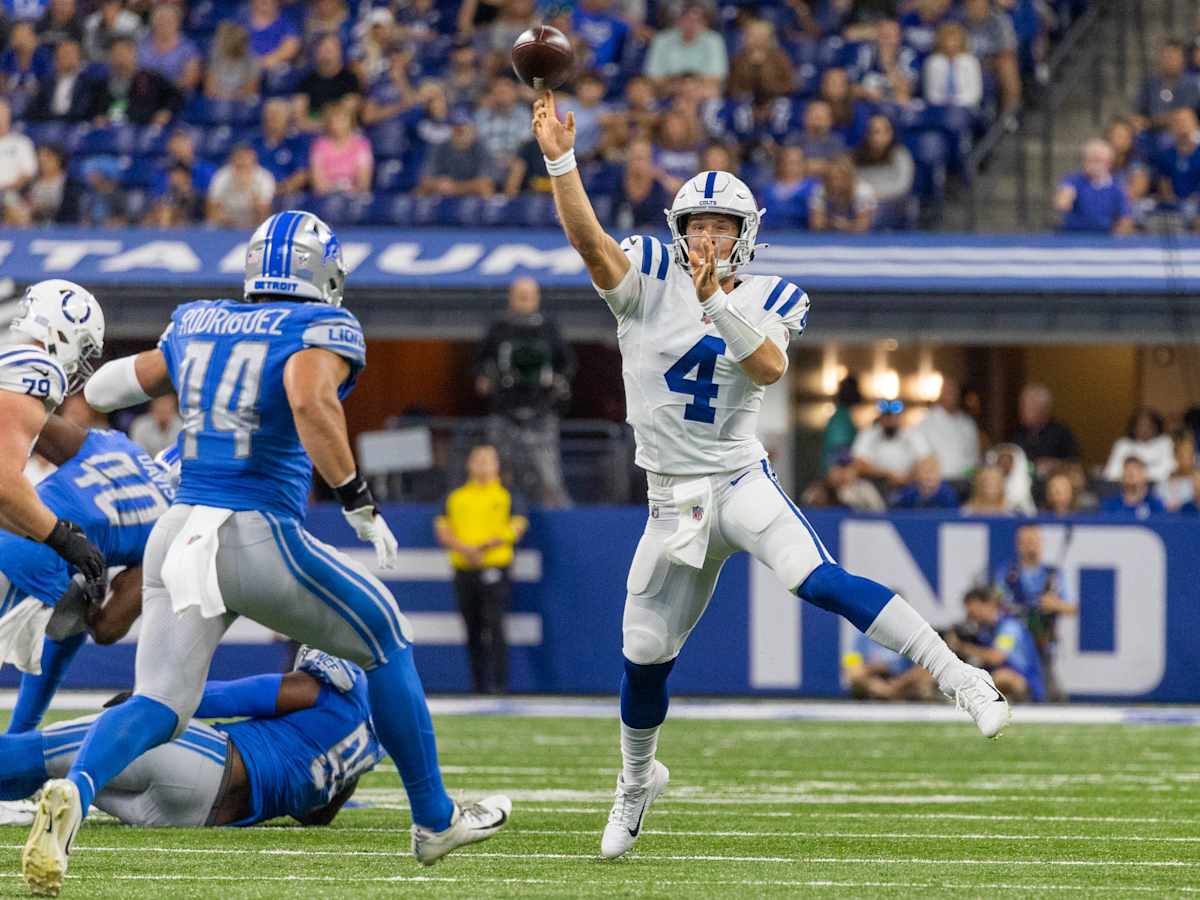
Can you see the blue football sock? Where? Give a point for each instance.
(405, 729)
(116, 739)
(644, 697)
(38, 690)
(855, 598)
(22, 765)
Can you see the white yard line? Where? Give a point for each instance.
(874, 835)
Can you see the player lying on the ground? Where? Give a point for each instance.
(307, 741)
(58, 335)
(108, 486)
(260, 383)
(700, 340)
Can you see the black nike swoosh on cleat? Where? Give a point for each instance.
(634, 832)
(497, 824)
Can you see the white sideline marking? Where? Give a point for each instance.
(907, 835)
(940, 816)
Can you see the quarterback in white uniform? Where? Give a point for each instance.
(700, 341)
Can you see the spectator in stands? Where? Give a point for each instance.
(60, 23)
(840, 431)
(1127, 165)
(281, 151)
(65, 93)
(1135, 498)
(330, 17)
(994, 42)
(1177, 165)
(515, 16)
(885, 165)
(157, 428)
(688, 48)
(1018, 479)
(18, 161)
(479, 527)
(842, 202)
(1179, 488)
(464, 79)
(392, 94)
(873, 672)
(719, 158)
(1092, 200)
(23, 66)
(884, 70)
(677, 152)
(951, 432)
(370, 57)
(274, 38)
(645, 190)
(951, 78)
(46, 199)
(927, 490)
(1086, 500)
(1035, 593)
(1192, 507)
(789, 194)
(641, 108)
(921, 24)
(761, 69)
(341, 161)
(527, 172)
(130, 94)
(181, 152)
(850, 115)
(461, 167)
(102, 202)
(588, 108)
(241, 192)
(168, 52)
(502, 123)
(179, 202)
(524, 370)
(886, 450)
(1060, 497)
(1170, 88)
(987, 494)
(328, 83)
(1045, 440)
(110, 21)
(433, 127)
(234, 73)
(844, 486)
(818, 140)
(999, 643)
(1146, 438)
(602, 31)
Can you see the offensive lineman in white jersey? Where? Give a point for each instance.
(683, 311)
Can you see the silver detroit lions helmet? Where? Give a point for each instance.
(295, 254)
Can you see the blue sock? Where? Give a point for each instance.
(855, 598)
(116, 739)
(402, 720)
(644, 697)
(24, 767)
(38, 690)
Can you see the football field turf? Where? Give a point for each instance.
(755, 808)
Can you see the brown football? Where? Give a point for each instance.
(542, 58)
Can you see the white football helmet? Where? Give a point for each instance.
(716, 192)
(68, 322)
(295, 254)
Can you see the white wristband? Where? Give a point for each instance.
(115, 386)
(741, 337)
(562, 165)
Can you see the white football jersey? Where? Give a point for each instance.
(694, 411)
(26, 369)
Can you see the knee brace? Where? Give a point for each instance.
(857, 599)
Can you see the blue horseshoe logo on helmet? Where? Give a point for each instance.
(67, 295)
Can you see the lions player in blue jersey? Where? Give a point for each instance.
(260, 384)
(58, 335)
(300, 752)
(114, 491)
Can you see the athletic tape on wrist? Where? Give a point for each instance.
(741, 337)
(562, 165)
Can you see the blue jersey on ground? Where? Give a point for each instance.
(297, 763)
(239, 449)
(111, 489)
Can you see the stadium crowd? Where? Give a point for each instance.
(846, 116)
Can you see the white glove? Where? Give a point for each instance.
(371, 528)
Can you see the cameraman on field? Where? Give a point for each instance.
(525, 369)
(1000, 643)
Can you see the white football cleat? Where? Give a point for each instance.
(44, 859)
(469, 825)
(977, 696)
(628, 814)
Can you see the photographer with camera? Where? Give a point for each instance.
(1000, 643)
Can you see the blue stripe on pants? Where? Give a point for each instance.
(825, 557)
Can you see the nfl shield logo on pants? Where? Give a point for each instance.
(697, 513)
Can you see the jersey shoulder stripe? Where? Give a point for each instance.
(773, 296)
(648, 254)
(337, 331)
(29, 370)
(793, 297)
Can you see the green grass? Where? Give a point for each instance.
(754, 809)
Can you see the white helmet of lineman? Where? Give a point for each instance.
(68, 321)
(716, 192)
(295, 254)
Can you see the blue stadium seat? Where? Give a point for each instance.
(217, 142)
(393, 209)
(391, 175)
(282, 82)
(343, 209)
(151, 140)
(47, 132)
(389, 139)
(115, 140)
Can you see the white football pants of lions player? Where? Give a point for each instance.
(747, 510)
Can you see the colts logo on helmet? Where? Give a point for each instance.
(67, 297)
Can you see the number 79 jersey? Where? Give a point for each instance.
(239, 448)
(693, 409)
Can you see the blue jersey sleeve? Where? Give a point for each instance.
(338, 332)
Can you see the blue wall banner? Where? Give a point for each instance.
(1137, 637)
(459, 258)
